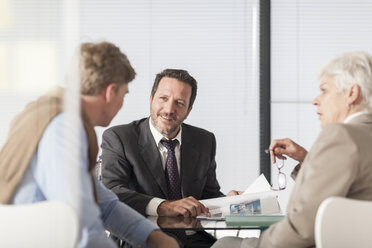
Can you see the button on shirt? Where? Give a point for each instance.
(151, 208)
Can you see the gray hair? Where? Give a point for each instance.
(349, 69)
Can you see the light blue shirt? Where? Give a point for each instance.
(48, 177)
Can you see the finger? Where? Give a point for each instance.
(273, 144)
(232, 193)
(281, 157)
(272, 155)
(191, 204)
(277, 142)
(182, 211)
(193, 207)
(191, 198)
(188, 221)
(193, 222)
(278, 151)
(198, 210)
(186, 214)
(205, 210)
(193, 211)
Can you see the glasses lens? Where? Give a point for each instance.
(282, 180)
(280, 163)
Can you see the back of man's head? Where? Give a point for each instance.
(102, 64)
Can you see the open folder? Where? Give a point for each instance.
(257, 199)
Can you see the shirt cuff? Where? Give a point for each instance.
(152, 207)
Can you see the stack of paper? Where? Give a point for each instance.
(259, 192)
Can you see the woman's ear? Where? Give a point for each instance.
(353, 95)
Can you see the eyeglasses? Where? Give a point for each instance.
(282, 180)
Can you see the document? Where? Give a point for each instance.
(257, 199)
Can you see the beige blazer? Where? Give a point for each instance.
(338, 164)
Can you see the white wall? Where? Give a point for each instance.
(211, 39)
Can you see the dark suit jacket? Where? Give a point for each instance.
(132, 167)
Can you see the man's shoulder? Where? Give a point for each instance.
(190, 130)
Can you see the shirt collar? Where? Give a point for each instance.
(158, 136)
(354, 115)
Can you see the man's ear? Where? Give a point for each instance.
(353, 94)
(188, 112)
(109, 92)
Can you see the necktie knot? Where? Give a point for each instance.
(169, 144)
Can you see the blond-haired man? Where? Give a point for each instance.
(32, 168)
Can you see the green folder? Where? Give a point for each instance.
(260, 221)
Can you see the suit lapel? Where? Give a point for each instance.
(189, 161)
(150, 154)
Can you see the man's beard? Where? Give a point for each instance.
(156, 120)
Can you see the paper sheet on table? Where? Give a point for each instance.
(258, 185)
(259, 189)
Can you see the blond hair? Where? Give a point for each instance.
(102, 64)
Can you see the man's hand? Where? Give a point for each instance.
(159, 239)
(281, 147)
(234, 192)
(187, 207)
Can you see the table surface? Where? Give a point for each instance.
(191, 223)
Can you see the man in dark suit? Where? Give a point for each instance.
(134, 156)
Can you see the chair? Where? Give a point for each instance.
(342, 222)
(43, 224)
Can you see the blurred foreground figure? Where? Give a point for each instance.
(32, 164)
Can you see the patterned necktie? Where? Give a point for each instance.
(173, 182)
(171, 171)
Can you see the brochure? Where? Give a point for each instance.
(257, 199)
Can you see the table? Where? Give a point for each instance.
(217, 229)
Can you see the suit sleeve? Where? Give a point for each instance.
(212, 188)
(117, 172)
(328, 170)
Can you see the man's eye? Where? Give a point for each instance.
(181, 103)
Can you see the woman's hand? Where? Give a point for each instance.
(288, 147)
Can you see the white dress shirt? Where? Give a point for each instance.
(151, 208)
(352, 116)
